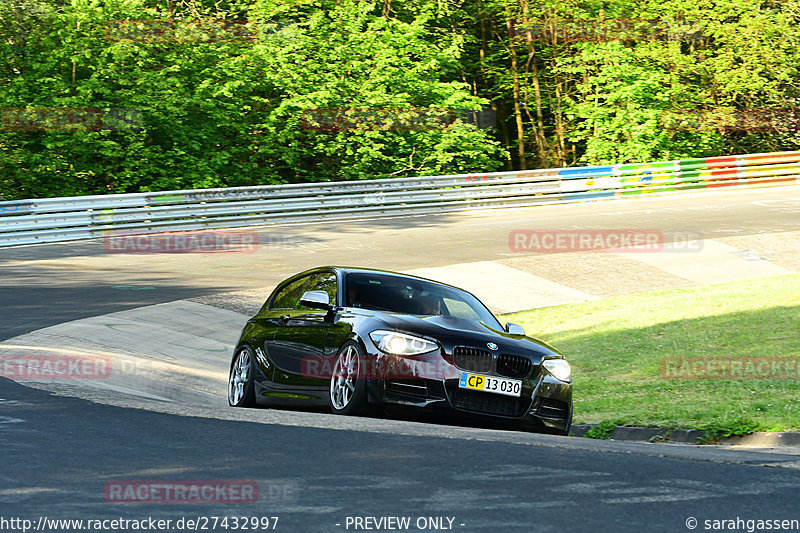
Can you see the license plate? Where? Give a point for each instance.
(509, 387)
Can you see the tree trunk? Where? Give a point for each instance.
(538, 128)
(502, 122)
(562, 149)
(515, 78)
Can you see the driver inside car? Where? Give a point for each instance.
(429, 305)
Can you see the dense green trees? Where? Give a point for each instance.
(191, 101)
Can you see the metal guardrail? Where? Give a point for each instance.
(84, 217)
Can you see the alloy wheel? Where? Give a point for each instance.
(343, 380)
(240, 375)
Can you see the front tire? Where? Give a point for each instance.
(241, 391)
(348, 387)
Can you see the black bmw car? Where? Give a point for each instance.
(354, 338)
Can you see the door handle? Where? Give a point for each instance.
(285, 318)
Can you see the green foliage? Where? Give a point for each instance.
(602, 430)
(725, 428)
(227, 109)
(227, 112)
(730, 57)
(366, 61)
(619, 347)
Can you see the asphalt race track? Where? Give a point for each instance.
(57, 462)
(318, 472)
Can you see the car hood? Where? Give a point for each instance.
(461, 332)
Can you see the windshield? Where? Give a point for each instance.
(414, 297)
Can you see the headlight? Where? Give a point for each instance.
(559, 368)
(400, 343)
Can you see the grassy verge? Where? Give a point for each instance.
(616, 347)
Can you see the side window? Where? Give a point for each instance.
(460, 309)
(289, 295)
(322, 281)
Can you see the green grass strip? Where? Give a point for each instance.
(617, 347)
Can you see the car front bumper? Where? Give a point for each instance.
(431, 382)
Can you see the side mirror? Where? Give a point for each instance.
(316, 300)
(515, 329)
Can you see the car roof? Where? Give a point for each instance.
(362, 270)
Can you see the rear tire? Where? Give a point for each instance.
(241, 391)
(348, 387)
